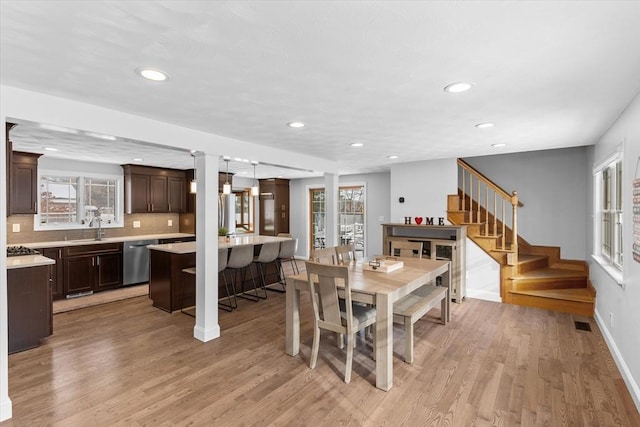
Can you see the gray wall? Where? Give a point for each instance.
(552, 186)
(617, 304)
(376, 208)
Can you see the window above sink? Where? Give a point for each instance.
(72, 200)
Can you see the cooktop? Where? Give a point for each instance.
(20, 250)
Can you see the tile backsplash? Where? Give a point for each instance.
(149, 224)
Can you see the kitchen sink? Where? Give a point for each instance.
(104, 239)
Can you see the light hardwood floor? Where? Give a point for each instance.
(127, 363)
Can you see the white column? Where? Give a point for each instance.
(207, 327)
(331, 208)
(5, 401)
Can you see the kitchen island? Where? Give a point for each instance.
(167, 262)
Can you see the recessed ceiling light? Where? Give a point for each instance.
(58, 128)
(101, 136)
(137, 159)
(498, 145)
(295, 124)
(357, 144)
(392, 157)
(458, 87)
(152, 74)
(50, 149)
(485, 125)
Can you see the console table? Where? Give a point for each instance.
(441, 242)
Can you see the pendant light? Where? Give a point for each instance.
(226, 188)
(254, 189)
(193, 183)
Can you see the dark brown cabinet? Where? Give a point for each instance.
(24, 183)
(29, 314)
(55, 271)
(274, 206)
(149, 189)
(92, 268)
(176, 194)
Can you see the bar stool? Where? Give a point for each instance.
(188, 274)
(223, 255)
(268, 253)
(287, 253)
(241, 258)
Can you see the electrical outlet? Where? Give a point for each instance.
(136, 224)
(381, 218)
(169, 223)
(16, 228)
(611, 319)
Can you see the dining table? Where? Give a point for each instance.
(376, 288)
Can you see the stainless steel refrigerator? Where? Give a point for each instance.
(227, 212)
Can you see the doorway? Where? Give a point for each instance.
(351, 217)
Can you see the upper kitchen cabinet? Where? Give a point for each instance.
(24, 183)
(149, 189)
(274, 206)
(22, 176)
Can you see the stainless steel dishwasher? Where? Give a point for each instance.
(136, 261)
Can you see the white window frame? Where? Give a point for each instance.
(340, 185)
(613, 261)
(82, 225)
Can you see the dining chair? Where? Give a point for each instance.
(345, 254)
(324, 255)
(406, 249)
(343, 318)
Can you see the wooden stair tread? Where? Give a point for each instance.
(579, 295)
(550, 273)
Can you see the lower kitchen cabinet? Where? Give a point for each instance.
(56, 278)
(29, 312)
(92, 268)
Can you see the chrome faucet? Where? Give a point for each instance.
(99, 231)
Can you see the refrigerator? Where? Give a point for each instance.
(227, 212)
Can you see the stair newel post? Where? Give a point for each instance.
(504, 222)
(514, 244)
(470, 197)
(495, 213)
(486, 210)
(464, 197)
(478, 202)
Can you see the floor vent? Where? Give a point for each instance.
(582, 326)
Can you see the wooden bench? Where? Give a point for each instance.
(412, 307)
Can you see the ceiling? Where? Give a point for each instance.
(549, 74)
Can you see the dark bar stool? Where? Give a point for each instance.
(268, 254)
(240, 259)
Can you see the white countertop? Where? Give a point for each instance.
(23, 261)
(62, 243)
(190, 247)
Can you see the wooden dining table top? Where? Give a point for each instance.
(394, 284)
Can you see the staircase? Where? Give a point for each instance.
(533, 276)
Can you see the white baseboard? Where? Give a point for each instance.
(5, 409)
(632, 385)
(484, 295)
